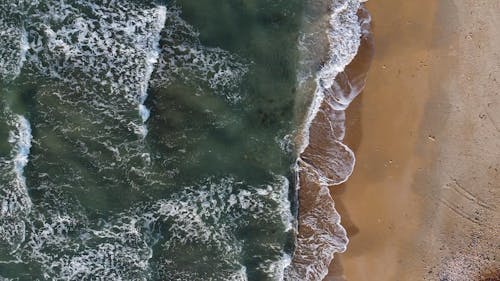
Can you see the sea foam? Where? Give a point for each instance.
(15, 202)
(114, 45)
(100, 57)
(151, 59)
(13, 48)
(20, 138)
(323, 160)
(121, 246)
(344, 39)
(184, 58)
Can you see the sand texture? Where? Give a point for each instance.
(422, 203)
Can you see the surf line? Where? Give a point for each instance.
(21, 138)
(323, 159)
(151, 59)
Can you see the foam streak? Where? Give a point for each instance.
(21, 139)
(151, 59)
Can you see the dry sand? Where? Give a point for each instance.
(423, 201)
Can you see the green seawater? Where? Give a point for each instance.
(144, 140)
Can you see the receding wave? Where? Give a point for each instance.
(323, 160)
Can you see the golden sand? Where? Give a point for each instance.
(422, 201)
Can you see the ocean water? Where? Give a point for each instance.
(161, 140)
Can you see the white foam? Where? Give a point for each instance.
(240, 275)
(114, 250)
(185, 59)
(13, 48)
(227, 207)
(344, 38)
(144, 112)
(23, 49)
(112, 48)
(276, 269)
(324, 236)
(20, 138)
(15, 202)
(281, 196)
(332, 164)
(115, 46)
(121, 247)
(151, 59)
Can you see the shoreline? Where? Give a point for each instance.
(323, 158)
(421, 203)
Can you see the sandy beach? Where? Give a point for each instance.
(422, 203)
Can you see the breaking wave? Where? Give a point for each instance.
(112, 211)
(209, 217)
(15, 202)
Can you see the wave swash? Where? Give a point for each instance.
(323, 159)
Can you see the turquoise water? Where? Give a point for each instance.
(145, 140)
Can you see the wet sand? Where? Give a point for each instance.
(422, 203)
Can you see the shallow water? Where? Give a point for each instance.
(145, 140)
(324, 160)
